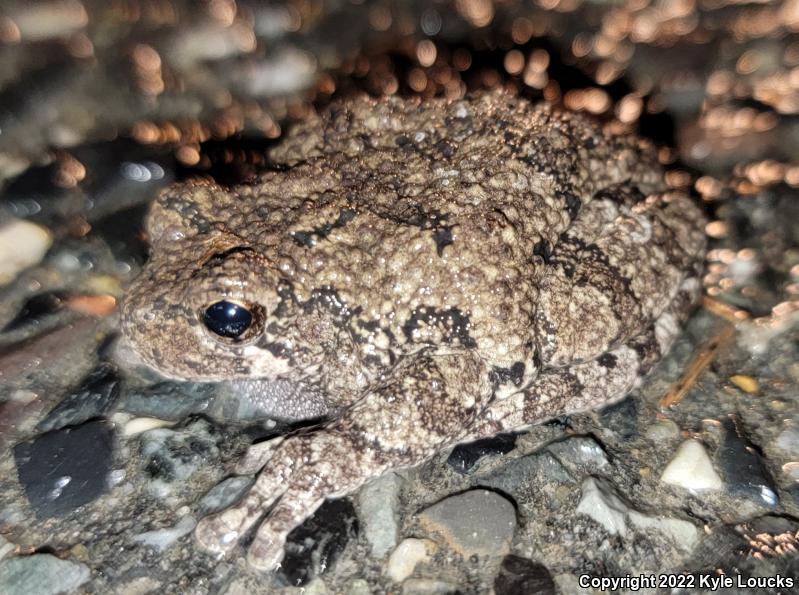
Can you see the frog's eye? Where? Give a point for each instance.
(227, 319)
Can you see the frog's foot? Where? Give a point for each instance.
(304, 470)
(424, 404)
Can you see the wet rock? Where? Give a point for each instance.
(741, 464)
(225, 494)
(93, 398)
(378, 502)
(683, 534)
(22, 245)
(406, 556)
(581, 455)
(520, 575)
(474, 522)
(167, 400)
(690, 468)
(161, 539)
(601, 502)
(464, 457)
(36, 309)
(41, 574)
(65, 469)
(531, 480)
(172, 456)
(314, 546)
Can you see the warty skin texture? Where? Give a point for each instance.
(420, 273)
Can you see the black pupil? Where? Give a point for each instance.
(227, 319)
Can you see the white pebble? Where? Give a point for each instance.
(406, 556)
(22, 245)
(691, 468)
(143, 424)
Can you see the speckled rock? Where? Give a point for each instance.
(475, 522)
(378, 502)
(40, 574)
(601, 502)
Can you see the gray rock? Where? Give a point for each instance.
(168, 400)
(601, 502)
(475, 522)
(530, 469)
(224, 494)
(378, 503)
(40, 574)
(580, 455)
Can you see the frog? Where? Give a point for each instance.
(408, 274)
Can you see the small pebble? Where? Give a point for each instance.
(406, 556)
(22, 245)
(144, 424)
(690, 468)
(745, 383)
(225, 494)
(378, 502)
(601, 504)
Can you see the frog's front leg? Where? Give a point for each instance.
(425, 403)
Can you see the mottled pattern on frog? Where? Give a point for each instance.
(421, 272)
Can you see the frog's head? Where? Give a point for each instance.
(210, 307)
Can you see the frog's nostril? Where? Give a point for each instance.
(227, 319)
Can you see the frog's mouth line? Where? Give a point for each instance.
(279, 399)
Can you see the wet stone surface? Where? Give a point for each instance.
(63, 470)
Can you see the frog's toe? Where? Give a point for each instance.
(294, 507)
(219, 533)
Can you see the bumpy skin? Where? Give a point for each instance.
(421, 273)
